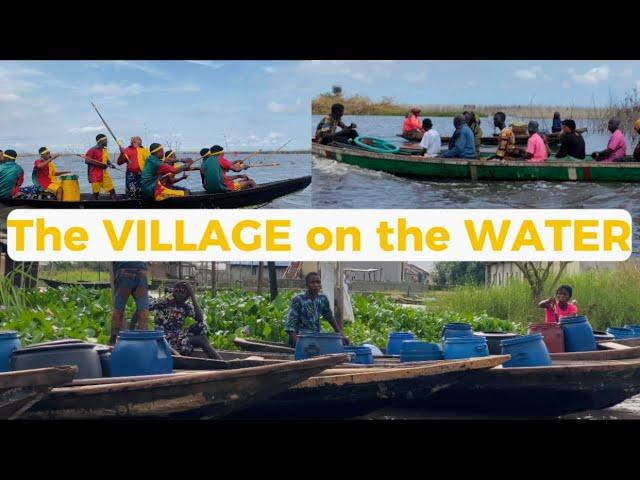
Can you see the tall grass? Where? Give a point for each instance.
(607, 298)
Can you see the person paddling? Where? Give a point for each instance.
(326, 131)
(559, 306)
(45, 176)
(134, 156)
(617, 146)
(232, 182)
(307, 309)
(155, 168)
(97, 160)
(11, 175)
(411, 126)
(167, 177)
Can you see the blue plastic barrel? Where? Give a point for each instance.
(578, 334)
(417, 351)
(620, 333)
(314, 344)
(455, 330)
(465, 347)
(361, 354)
(8, 343)
(526, 351)
(141, 352)
(394, 343)
(635, 328)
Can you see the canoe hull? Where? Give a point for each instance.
(262, 194)
(542, 391)
(180, 395)
(481, 169)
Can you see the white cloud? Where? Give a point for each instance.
(113, 90)
(85, 129)
(270, 69)
(275, 135)
(472, 83)
(593, 76)
(207, 63)
(529, 73)
(286, 108)
(143, 67)
(415, 77)
(365, 71)
(9, 97)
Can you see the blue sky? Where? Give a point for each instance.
(262, 104)
(189, 104)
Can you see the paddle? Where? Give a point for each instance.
(110, 131)
(256, 165)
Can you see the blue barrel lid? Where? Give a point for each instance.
(8, 334)
(533, 337)
(458, 326)
(321, 335)
(400, 334)
(471, 339)
(573, 319)
(141, 334)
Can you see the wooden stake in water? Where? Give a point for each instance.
(110, 131)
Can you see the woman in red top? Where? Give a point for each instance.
(412, 125)
(232, 182)
(559, 306)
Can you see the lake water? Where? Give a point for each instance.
(338, 185)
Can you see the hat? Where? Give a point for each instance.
(533, 126)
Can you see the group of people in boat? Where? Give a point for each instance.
(466, 140)
(150, 172)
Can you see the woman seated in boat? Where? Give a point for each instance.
(152, 172)
(617, 146)
(326, 131)
(559, 306)
(411, 126)
(167, 178)
(170, 315)
(536, 150)
(11, 175)
(232, 182)
(465, 145)
(45, 176)
(571, 143)
(430, 142)
(506, 139)
(307, 309)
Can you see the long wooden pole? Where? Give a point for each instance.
(213, 279)
(259, 288)
(273, 280)
(110, 131)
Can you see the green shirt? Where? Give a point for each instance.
(212, 176)
(10, 172)
(150, 176)
(305, 313)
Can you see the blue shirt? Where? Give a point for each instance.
(305, 312)
(465, 146)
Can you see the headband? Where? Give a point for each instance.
(156, 149)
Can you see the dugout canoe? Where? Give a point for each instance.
(553, 170)
(182, 394)
(353, 390)
(21, 389)
(255, 345)
(552, 138)
(263, 193)
(559, 389)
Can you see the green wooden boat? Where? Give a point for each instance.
(483, 169)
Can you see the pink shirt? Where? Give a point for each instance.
(618, 144)
(536, 146)
(412, 122)
(550, 316)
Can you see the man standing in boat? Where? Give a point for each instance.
(506, 139)
(232, 182)
(412, 127)
(571, 143)
(11, 175)
(464, 146)
(170, 314)
(326, 129)
(97, 160)
(430, 143)
(154, 169)
(134, 156)
(45, 176)
(307, 309)
(617, 146)
(130, 279)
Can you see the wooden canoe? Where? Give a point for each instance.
(618, 354)
(552, 138)
(190, 394)
(21, 389)
(629, 342)
(347, 392)
(482, 169)
(563, 388)
(263, 193)
(255, 345)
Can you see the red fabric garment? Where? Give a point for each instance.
(95, 173)
(550, 314)
(16, 187)
(133, 165)
(226, 165)
(42, 173)
(412, 122)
